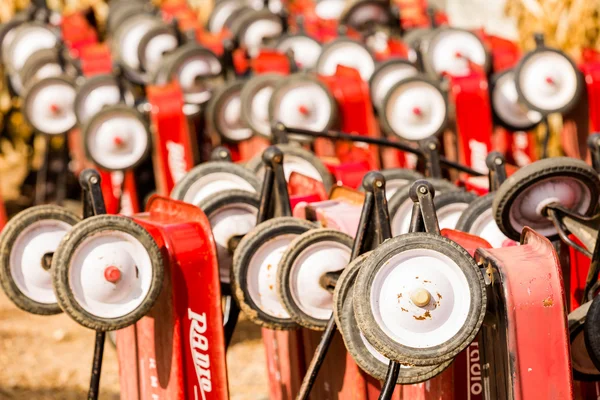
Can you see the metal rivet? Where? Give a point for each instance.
(378, 184)
(498, 161)
(93, 180)
(432, 146)
(422, 189)
(420, 297)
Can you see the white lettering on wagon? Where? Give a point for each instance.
(176, 160)
(479, 152)
(199, 350)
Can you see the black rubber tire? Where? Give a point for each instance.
(213, 204)
(383, 117)
(8, 26)
(567, 107)
(8, 237)
(592, 332)
(260, 235)
(256, 164)
(250, 89)
(183, 186)
(498, 120)
(373, 332)
(447, 198)
(472, 213)
(280, 90)
(351, 16)
(61, 265)
(31, 90)
(92, 83)
(145, 40)
(402, 195)
(284, 270)
(102, 114)
(428, 55)
(229, 90)
(581, 362)
(398, 177)
(544, 169)
(331, 45)
(346, 322)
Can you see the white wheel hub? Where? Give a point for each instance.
(349, 54)
(50, 106)
(527, 208)
(118, 141)
(454, 49)
(157, 47)
(506, 103)
(227, 222)
(330, 9)
(130, 41)
(305, 274)
(420, 298)
(306, 50)
(110, 274)
(449, 215)
(485, 227)
(229, 118)
(262, 275)
(191, 74)
(29, 256)
(387, 77)
(296, 164)
(304, 104)
(415, 110)
(258, 31)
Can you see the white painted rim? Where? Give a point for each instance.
(386, 77)
(485, 227)
(259, 29)
(526, 209)
(213, 183)
(507, 106)
(222, 11)
(27, 40)
(349, 54)
(99, 97)
(430, 325)
(259, 108)
(157, 48)
(452, 49)
(303, 104)
(400, 222)
(330, 9)
(449, 215)
(415, 110)
(49, 106)
(26, 270)
(229, 116)
(118, 140)
(88, 265)
(548, 81)
(378, 356)
(306, 271)
(229, 221)
(133, 31)
(306, 50)
(194, 75)
(392, 186)
(261, 276)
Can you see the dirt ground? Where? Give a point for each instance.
(44, 358)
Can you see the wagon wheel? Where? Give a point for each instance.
(478, 219)
(301, 269)
(419, 299)
(197, 69)
(592, 333)
(365, 14)
(254, 271)
(348, 52)
(255, 26)
(449, 207)
(27, 244)
(521, 199)
(367, 358)
(155, 45)
(296, 159)
(414, 109)
(330, 9)
(303, 101)
(221, 12)
(255, 97)
(386, 75)
(232, 214)
(508, 110)
(548, 81)
(450, 50)
(208, 179)
(396, 179)
(96, 93)
(121, 11)
(117, 138)
(41, 64)
(107, 272)
(48, 105)
(581, 361)
(306, 50)
(400, 204)
(25, 40)
(224, 113)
